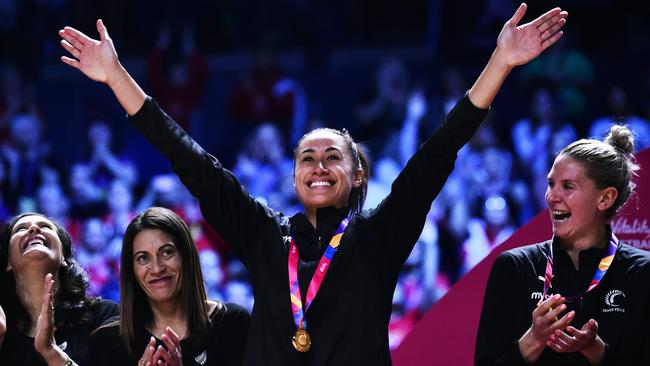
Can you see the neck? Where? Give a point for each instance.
(168, 314)
(596, 240)
(29, 289)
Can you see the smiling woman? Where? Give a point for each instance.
(323, 278)
(165, 315)
(595, 294)
(48, 315)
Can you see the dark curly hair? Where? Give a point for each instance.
(71, 305)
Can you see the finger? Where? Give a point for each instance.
(171, 346)
(564, 321)
(160, 355)
(544, 306)
(173, 336)
(549, 42)
(554, 29)
(553, 20)
(546, 16)
(71, 39)
(79, 36)
(70, 48)
(69, 61)
(103, 31)
(519, 13)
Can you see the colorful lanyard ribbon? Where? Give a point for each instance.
(603, 266)
(316, 280)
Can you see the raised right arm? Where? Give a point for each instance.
(226, 205)
(98, 60)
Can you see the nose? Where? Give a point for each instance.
(321, 167)
(551, 195)
(157, 266)
(34, 229)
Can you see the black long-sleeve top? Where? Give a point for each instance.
(620, 304)
(348, 319)
(223, 345)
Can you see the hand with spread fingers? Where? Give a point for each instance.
(97, 59)
(545, 321)
(584, 340)
(521, 43)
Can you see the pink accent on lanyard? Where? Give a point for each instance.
(316, 280)
(603, 266)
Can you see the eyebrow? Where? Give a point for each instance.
(164, 246)
(310, 150)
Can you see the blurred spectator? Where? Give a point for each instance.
(86, 198)
(263, 94)
(531, 139)
(239, 292)
(99, 262)
(619, 113)
(264, 169)
(26, 161)
(212, 273)
(104, 164)
(383, 114)
(177, 73)
(493, 227)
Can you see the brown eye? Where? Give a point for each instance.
(142, 259)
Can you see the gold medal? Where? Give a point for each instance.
(301, 341)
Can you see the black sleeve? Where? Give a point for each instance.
(225, 204)
(400, 217)
(234, 331)
(106, 311)
(105, 348)
(497, 338)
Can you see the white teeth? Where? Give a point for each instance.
(560, 216)
(35, 241)
(321, 184)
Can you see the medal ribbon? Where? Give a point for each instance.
(316, 280)
(603, 266)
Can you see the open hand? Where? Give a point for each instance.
(44, 341)
(518, 44)
(97, 59)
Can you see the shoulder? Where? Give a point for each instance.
(634, 258)
(526, 253)
(218, 309)
(109, 331)
(104, 310)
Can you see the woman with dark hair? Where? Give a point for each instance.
(588, 294)
(164, 312)
(344, 259)
(48, 315)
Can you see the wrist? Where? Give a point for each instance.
(501, 61)
(594, 351)
(530, 347)
(116, 75)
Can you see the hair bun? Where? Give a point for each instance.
(621, 138)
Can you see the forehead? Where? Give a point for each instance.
(322, 139)
(32, 219)
(150, 239)
(565, 167)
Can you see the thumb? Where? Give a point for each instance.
(516, 17)
(103, 32)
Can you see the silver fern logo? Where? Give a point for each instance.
(614, 300)
(202, 358)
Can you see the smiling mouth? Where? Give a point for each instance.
(320, 183)
(34, 242)
(160, 280)
(560, 216)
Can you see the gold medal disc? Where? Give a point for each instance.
(301, 341)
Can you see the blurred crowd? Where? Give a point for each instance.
(576, 89)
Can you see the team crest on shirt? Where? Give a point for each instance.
(614, 302)
(202, 358)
